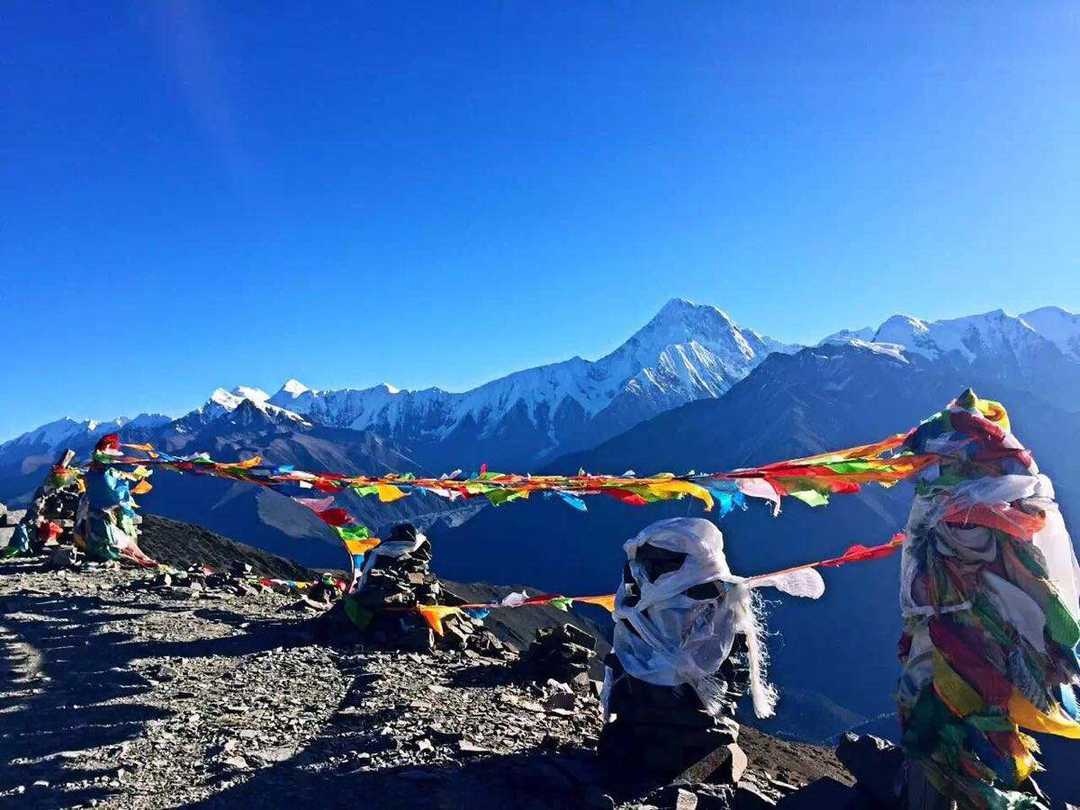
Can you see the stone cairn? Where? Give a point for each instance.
(55, 506)
(663, 733)
(382, 605)
(559, 654)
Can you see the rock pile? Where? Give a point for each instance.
(382, 607)
(560, 654)
(876, 765)
(666, 735)
(49, 519)
(198, 581)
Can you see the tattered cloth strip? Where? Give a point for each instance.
(990, 592)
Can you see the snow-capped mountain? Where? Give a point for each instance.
(847, 335)
(235, 404)
(64, 432)
(685, 353)
(24, 459)
(1038, 351)
(972, 338)
(1059, 326)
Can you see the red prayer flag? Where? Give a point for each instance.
(625, 496)
(861, 553)
(335, 517)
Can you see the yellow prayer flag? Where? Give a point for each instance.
(1055, 721)
(388, 493)
(676, 487)
(362, 546)
(995, 412)
(953, 690)
(607, 601)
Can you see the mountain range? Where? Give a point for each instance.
(687, 352)
(526, 420)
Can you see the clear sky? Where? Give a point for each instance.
(195, 194)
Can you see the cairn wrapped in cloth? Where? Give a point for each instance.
(108, 524)
(679, 609)
(990, 595)
(51, 514)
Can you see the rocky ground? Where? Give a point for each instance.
(117, 694)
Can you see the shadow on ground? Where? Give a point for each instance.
(62, 677)
(522, 781)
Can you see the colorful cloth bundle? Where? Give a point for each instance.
(108, 524)
(38, 525)
(990, 594)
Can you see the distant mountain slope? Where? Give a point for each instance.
(1060, 327)
(182, 544)
(24, 459)
(1038, 351)
(266, 518)
(831, 396)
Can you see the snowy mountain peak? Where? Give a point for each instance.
(222, 402)
(970, 337)
(866, 335)
(902, 325)
(247, 392)
(680, 320)
(687, 351)
(1059, 326)
(291, 388)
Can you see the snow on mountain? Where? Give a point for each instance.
(686, 352)
(66, 432)
(222, 402)
(1059, 326)
(846, 335)
(1038, 351)
(293, 388)
(971, 337)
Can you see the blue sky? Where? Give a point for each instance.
(201, 194)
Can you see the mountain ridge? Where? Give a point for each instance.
(668, 362)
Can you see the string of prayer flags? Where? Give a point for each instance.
(812, 479)
(434, 615)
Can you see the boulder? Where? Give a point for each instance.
(875, 763)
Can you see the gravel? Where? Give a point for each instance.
(114, 694)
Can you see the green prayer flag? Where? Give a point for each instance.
(811, 497)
